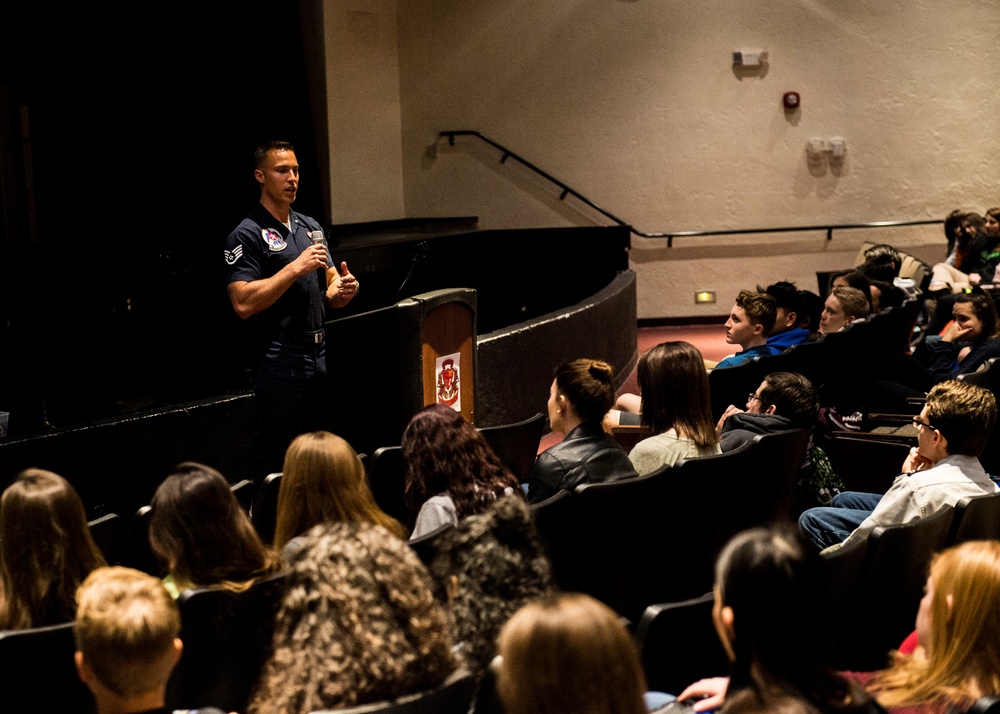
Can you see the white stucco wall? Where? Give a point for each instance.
(362, 84)
(637, 105)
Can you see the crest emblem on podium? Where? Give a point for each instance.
(447, 379)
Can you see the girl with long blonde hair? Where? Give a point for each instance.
(324, 481)
(958, 629)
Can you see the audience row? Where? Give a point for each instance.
(363, 619)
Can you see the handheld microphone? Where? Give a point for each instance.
(316, 237)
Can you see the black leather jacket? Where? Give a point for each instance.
(588, 454)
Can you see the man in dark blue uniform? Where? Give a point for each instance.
(281, 280)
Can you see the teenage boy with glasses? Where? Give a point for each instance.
(943, 468)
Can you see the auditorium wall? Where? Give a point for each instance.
(637, 104)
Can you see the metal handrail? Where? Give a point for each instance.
(567, 191)
(508, 154)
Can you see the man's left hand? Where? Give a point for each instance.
(341, 286)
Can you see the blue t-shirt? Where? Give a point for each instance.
(783, 340)
(745, 356)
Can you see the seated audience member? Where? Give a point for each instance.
(202, 536)
(788, 311)
(958, 631)
(885, 295)
(451, 472)
(881, 266)
(853, 278)
(784, 400)
(812, 311)
(842, 307)
(750, 321)
(581, 394)
(323, 480)
(486, 568)
(981, 238)
(46, 550)
(675, 406)
(967, 342)
(944, 467)
(882, 262)
(567, 654)
(127, 641)
(358, 624)
(796, 316)
(955, 236)
(939, 307)
(765, 595)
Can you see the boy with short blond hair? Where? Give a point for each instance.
(127, 643)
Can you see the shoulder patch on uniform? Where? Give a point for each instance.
(233, 255)
(273, 239)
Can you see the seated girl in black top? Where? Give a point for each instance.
(581, 394)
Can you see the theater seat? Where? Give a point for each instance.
(38, 674)
(644, 540)
(840, 573)
(516, 444)
(108, 533)
(227, 639)
(767, 492)
(264, 513)
(426, 545)
(866, 464)
(628, 435)
(244, 493)
(976, 518)
(138, 552)
(678, 644)
(387, 480)
(891, 586)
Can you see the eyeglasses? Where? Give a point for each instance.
(917, 423)
(752, 396)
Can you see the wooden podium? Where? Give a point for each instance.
(445, 325)
(387, 364)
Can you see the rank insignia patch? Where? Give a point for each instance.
(233, 255)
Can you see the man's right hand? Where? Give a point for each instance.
(311, 259)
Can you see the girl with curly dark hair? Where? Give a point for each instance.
(485, 569)
(358, 624)
(451, 472)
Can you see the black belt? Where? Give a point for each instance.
(311, 337)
